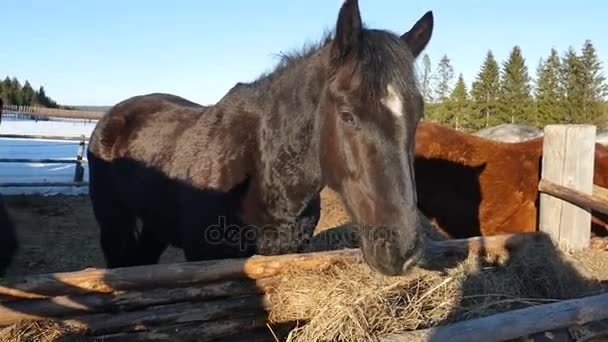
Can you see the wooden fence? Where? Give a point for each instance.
(78, 179)
(53, 112)
(211, 299)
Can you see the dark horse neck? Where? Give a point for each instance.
(287, 172)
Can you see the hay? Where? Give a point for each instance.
(43, 331)
(352, 303)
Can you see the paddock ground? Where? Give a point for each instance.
(59, 233)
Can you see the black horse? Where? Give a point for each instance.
(8, 237)
(243, 176)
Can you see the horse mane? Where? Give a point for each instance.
(291, 58)
(383, 57)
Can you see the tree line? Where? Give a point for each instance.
(568, 88)
(13, 93)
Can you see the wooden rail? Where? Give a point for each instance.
(79, 161)
(42, 184)
(44, 137)
(53, 112)
(41, 161)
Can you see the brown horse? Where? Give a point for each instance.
(244, 175)
(472, 186)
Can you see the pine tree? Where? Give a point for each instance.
(484, 92)
(14, 95)
(443, 88)
(28, 94)
(594, 85)
(426, 78)
(548, 92)
(514, 96)
(572, 78)
(445, 74)
(458, 104)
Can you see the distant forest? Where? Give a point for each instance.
(14, 93)
(569, 88)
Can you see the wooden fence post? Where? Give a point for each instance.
(568, 160)
(79, 171)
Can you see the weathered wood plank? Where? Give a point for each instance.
(73, 305)
(568, 160)
(514, 324)
(149, 318)
(250, 329)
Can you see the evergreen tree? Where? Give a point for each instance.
(548, 92)
(15, 95)
(28, 94)
(594, 86)
(5, 89)
(484, 92)
(514, 96)
(443, 88)
(426, 78)
(572, 78)
(458, 104)
(445, 74)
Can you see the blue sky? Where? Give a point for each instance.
(101, 52)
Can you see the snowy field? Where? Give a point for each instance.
(41, 149)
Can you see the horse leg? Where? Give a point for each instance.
(8, 239)
(117, 223)
(307, 222)
(149, 247)
(118, 237)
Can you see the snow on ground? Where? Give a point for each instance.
(41, 149)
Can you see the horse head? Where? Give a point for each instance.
(370, 108)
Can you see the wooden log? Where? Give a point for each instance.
(257, 267)
(94, 280)
(568, 160)
(73, 305)
(207, 331)
(180, 313)
(513, 324)
(580, 199)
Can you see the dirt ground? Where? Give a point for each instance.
(59, 233)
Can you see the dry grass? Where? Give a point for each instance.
(42, 331)
(352, 303)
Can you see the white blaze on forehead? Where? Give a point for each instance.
(392, 101)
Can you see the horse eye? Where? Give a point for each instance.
(347, 117)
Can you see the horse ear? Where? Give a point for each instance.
(419, 35)
(348, 29)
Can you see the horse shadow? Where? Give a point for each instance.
(247, 318)
(449, 193)
(533, 271)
